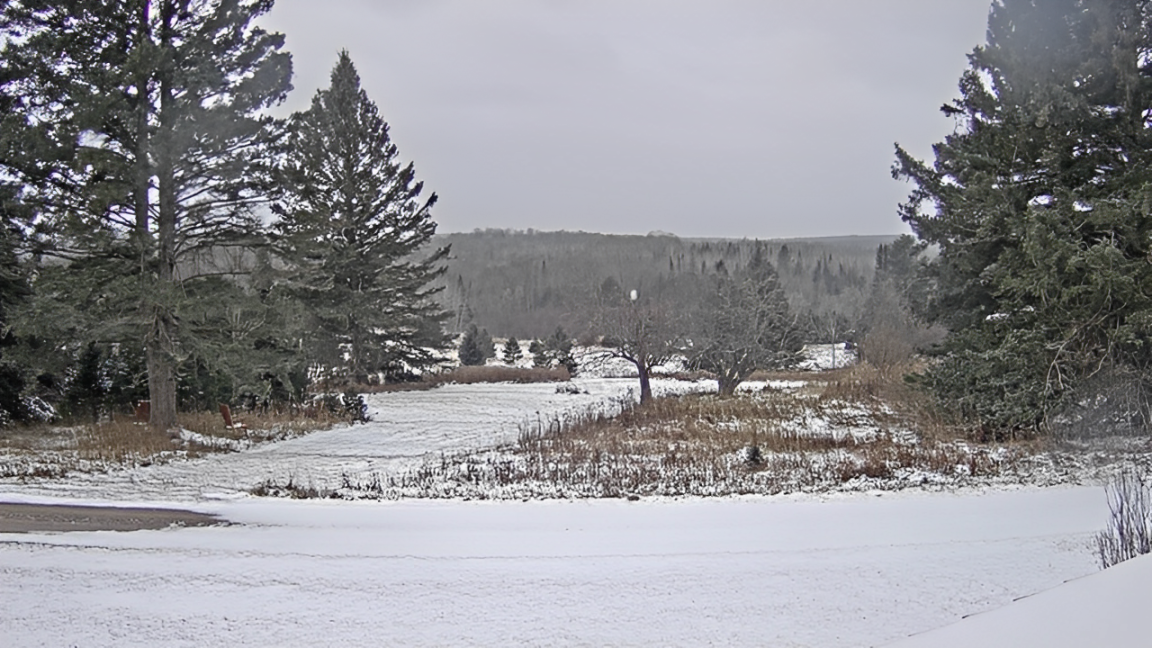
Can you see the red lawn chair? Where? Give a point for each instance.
(228, 422)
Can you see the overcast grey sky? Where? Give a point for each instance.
(726, 118)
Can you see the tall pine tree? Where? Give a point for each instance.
(351, 228)
(1040, 206)
(152, 118)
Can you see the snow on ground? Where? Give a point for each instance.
(854, 570)
(1102, 609)
(597, 362)
(843, 570)
(406, 428)
(827, 356)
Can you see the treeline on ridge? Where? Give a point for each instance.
(526, 283)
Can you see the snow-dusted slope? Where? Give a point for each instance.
(1107, 608)
(847, 571)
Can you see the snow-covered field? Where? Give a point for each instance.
(837, 570)
(1102, 609)
(406, 428)
(852, 571)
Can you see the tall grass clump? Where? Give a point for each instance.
(1129, 532)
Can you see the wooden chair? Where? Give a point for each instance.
(143, 411)
(229, 424)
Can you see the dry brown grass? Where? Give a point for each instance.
(494, 374)
(122, 440)
(694, 445)
(851, 424)
(384, 388)
(706, 425)
(850, 429)
(264, 425)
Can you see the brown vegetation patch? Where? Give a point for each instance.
(786, 438)
(53, 451)
(834, 434)
(495, 374)
(386, 388)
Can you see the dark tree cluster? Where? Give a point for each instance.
(525, 283)
(1038, 209)
(137, 156)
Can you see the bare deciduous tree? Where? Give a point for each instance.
(745, 326)
(645, 332)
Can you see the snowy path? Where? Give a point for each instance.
(405, 427)
(848, 571)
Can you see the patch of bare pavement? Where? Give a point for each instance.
(40, 518)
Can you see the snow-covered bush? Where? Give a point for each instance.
(37, 409)
(349, 406)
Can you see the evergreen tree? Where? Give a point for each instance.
(890, 328)
(1040, 207)
(470, 353)
(512, 352)
(351, 224)
(539, 357)
(558, 350)
(485, 344)
(149, 120)
(86, 389)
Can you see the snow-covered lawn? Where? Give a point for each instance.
(854, 570)
(1103, 609)
(406, 428)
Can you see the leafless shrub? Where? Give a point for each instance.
(290, 489)
(1129, 532)
(1116, 401)
(888, 346)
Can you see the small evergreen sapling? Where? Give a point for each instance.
(511, 352)
(470, 352)
(539, 357)
(487, 346)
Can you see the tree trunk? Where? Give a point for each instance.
(726, 385)
(162, 340)
(161, 375)
(645, 383)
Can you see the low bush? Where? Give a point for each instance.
(120, 440)
(289, 489)
(349, 406)
(494, 374)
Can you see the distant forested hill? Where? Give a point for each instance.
(526, 283)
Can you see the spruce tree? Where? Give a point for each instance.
(351, 230)
(149, 122)
(1039, 205)
(512, 352)
(539, 354)
(470, 353)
